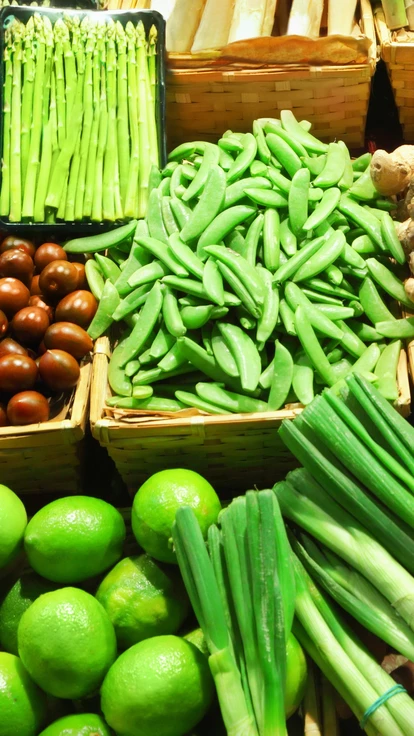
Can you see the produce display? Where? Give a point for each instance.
(45, 306)
(79, 127)
(398, 14)
(267, 266)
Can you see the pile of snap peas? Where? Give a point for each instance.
(267, 267)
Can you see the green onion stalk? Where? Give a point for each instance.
(7, 106)
(330, 716)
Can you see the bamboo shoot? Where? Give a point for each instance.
(214, 28)
(341, 17)
(395, 15)
(247, 19)
(182, 25)
(305, 18)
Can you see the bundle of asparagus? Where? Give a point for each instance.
(79, 128)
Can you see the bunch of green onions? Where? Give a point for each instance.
(243, 595)
(79, 126)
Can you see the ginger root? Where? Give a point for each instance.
(391, 172)
(405, 231)
(409, 288)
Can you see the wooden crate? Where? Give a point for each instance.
(47, 457)
(204, 102)
(399, 60)
(234, 452)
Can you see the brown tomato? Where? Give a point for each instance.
(47, 253)
(78, 307)
(30, 324)
(58, 370)
(28, 407)
(58, 279)
(17, 373)
(11, 243)
(13, 296)
(18, 264)
(69, 337)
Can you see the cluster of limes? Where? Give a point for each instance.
(88, 622)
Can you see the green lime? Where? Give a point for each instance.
(16, 601)
(196, 637)
(22, 704)
(296, 675)
(84, 724)
(143, 598)
(157, 501)
(67, 643)
(13, 520)
(74, 538)
(159, 687)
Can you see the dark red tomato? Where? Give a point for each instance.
(30, 324)
(17, 373)
(82, 280)
(11, 243)
(58, 279)
(37, 301)
(69, 337)
(58, 370)
(41, 350)
(28, 407)
(34, 287)
(3, 415)
(4, 324)
(18, 264)
(47, 253)
(13, 296)
(11, 347)
(78, 307)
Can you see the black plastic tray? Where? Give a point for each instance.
(65, 230)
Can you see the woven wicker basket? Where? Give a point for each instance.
(202, 103)
(233, 452)
(47, 458)
(399, 60)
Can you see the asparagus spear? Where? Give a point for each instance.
(131, 200)
(96, 79)
(88, 28)
(48, 75)
(108, 198)
(70, 69)
(7, 99)
(122, 122)
(73, 182)
(15, 151)
(60, 81)
(27, 93)
(144, 126)
(152, 95)
(78, 46)
(102, 138)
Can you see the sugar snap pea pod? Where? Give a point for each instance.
(322, 287)
(190, 399)
(195, 317)
(152, 375)
(169, 168)
(103, 241)
(351, 257)
(225, 160)
(142, 392)
(109, 269)
(190, 301)
(144, 325)
(314, 164)
(388, 282)
(386, 371)
(379, 214)
(245, 354)
(267, 321)
(334, 312)
(145, 359)
(271, 239)
(94, 278)
(252, 238)
(363, 188)
(186, 256)
(208, 206)
(213, 282)
(152, 403)
(119, 382)
(118, 256)
(350, 341)
(390, 238)
(284, 153)
(190, 286)
(262, 147)
(104, 314)
(302, 379)
(322, 210)
(211, 158)
(154, 218)
(281, 182)
(294, 128)
(364, 218)
(239, 289)
(385, 204)
(241, 268)
(185, 150)
(204, 362)
(222, 353)
(348, 176)
(320, 321)
(266, 377)
(288, 269)
(258, 169)
(171, 314)
(319, 298)
(298, 201)
(281, 378)
(181, 211)
(131, 302)
(163, 253)
(335, 355)
(244, 158)
(334, 167)
(266, 197)
(397, 328)
(312, 347)
(295, 145)
(168, 217)
(232, 402)
(164, 189)
(206, 339)
(334, 274)
(147, 274)
(365, 332)
(322, 258)
(274, 163)
(362, 162)
(222, 225)
(288, 240)
(287, 316)
(177, 180)
(230, 143)
(235, 191)
(373, 305)
(246, 320)
(173, 359)
(137, 258)
(162, 343)
(154, 178)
